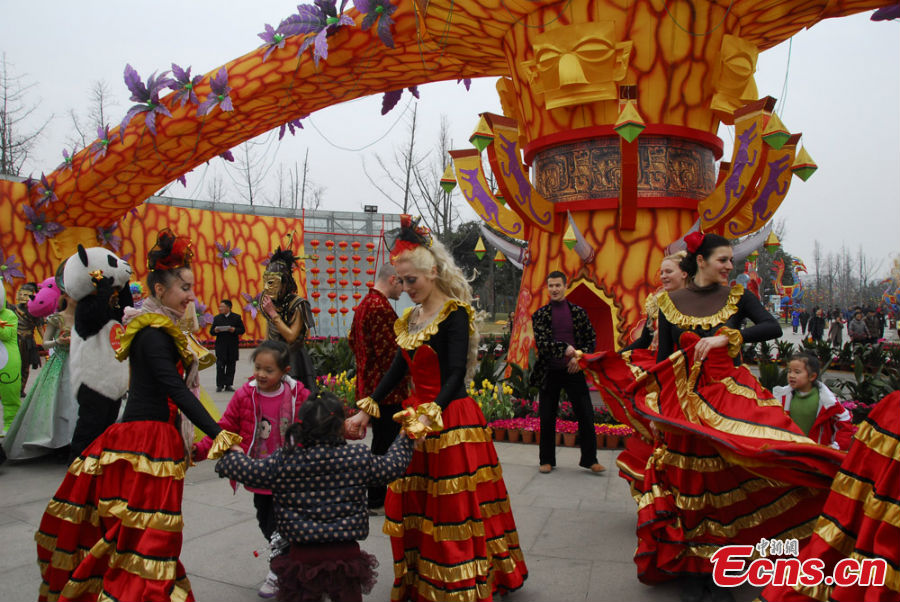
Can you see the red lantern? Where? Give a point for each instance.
(329, 258)
(357, 296)
(331, 281)
(343, 298)
(370, 271)
(343, 258)
(332, 295)
(370, 246)
(355, 244)
(344, 310)
(355, 270)
(357, 283)
(370, 259)
(314, 243)
(316, 311)
(316, 294)
(332, 310)
(343, 283)
(331, 271)
(343, 270)
(343, 244)
(370, 283)
(329, 244)
(315, 270)
(356, 258)
(314, 282)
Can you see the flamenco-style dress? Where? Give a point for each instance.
(46, 419)
(861, 518)
(452, 531)
(113, 529)
(722, 462)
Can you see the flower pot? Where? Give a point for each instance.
(513, 435)
(601, 441)
(558, 438)
(527, 436)
(569, 439)
(499, 434)
(612, 442)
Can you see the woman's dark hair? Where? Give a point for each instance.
(810, 361)
(709, 244)
(279, 351)
(320, 421)
(163, 277)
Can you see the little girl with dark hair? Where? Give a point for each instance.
(319, 484)
(261, 411)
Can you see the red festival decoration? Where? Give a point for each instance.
(357, 283)
(314, 243)
(355, 244)
(343, 258)
(343, 244)
(329, 244)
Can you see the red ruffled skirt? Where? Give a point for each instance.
(861, 518)
(113, 528)
(453, 535)
(308, 572)
(715, 459)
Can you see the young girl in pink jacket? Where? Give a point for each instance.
(260, 412)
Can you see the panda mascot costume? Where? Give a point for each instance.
(98, 280)
(10, 372)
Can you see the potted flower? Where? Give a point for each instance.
(344, 388)
(530, 426)
(569, 429)
(498, 428)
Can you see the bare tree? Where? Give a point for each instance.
(252, 162)
(100, 100)
(435, 205)
(16, 138)
(215, 189)
(401, 180)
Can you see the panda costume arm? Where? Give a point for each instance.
(155, 378)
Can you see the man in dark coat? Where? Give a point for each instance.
(560, 329)
(227, 328)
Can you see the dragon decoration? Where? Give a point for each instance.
(609, 116)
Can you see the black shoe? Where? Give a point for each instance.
(219, 389)
(230, 389)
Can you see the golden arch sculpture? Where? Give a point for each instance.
(567, 68)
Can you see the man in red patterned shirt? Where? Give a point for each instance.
(374, 344)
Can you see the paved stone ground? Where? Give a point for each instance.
(576, 529)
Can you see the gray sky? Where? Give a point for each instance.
(842, 92)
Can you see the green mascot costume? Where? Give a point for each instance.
(10, 363)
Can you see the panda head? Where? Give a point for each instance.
(77, 279)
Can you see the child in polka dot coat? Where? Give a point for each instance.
(320, 483)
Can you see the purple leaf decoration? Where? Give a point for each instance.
(219, 97)
(292, 125)
(67, 160)
(252, 305)
(886, 13)
(467, 82)
(379, 11)
(204, 318)
(98, 148)
(322, 19)
(182, 179)
(147, 98)
(391, 98)
(45, 189)
(273, 39)
(184, 85)
(106, 236)
(29, 183)
(40, 226)
(227, 156)
(227, 254)
(9, 267)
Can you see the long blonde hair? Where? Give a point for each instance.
(451, 281)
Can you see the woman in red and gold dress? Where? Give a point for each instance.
(113, 529)
(726, 464)
(452, 531)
